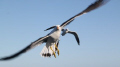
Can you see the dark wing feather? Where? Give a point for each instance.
(50, 28)
(76, 36)
(32, 45)
(91, 7)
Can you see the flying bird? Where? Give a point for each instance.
(65, 31)
(52, 39)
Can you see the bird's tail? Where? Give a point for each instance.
(48, 51)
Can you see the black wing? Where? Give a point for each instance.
(33, 44)
(91, 7)
(76, 36)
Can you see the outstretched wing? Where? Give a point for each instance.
(76, 36)
(91, 7)
(32, 45)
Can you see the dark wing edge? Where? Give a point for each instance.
(91, 7)
(32, 45)
(50, 28)
(76, 36)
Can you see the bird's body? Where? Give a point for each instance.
(51, 42)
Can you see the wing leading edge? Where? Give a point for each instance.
(32, 45)
(91, 7)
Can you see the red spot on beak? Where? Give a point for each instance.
(58, 27)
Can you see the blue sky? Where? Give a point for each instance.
(24, 21)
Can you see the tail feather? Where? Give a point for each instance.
(46, 51)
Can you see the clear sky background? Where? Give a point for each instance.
(24, 21)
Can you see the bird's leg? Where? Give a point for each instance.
(57, 49)
(53, 52)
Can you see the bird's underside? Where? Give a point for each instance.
(52, 39)
(50, 48)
